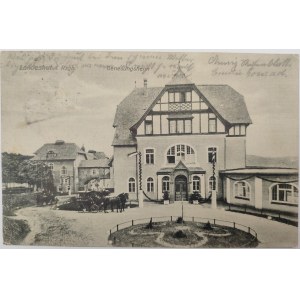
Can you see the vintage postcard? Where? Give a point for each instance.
(149, 149)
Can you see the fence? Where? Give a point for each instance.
(235, 225)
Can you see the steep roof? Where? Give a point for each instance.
(62, 151)
(179, 78)
(95, 163)
(130, 111)
(228, 103)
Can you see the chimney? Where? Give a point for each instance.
(145, 87)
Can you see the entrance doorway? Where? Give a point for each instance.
(180, 188)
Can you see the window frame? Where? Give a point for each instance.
(208, 152)
(212, 118)
(285, 202)
(131, 185)
(150, 185)
(183, 120)
(65, 170)
(147, 123)
(245, 188)
(149, 154)
(209, 183)
(165, 182)
(185, 151)
(195, 181)
(51, 166)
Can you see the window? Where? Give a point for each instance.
(148, 127)
(284, 193)
(196, 183)
(212, 154)
(51, 165)
(50, 154)
(172, 125)
(182, 97)
(188, 126)
(171, 97)
(165, 184)
(180, 126)
(64, 170)
(212, 183)
(131, 185)
(242, 190)
(180, 152)
(212, 123)
(150, 184)
(149, 156)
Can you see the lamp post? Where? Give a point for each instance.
(213, 190)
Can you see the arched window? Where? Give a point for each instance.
(166, 184)
(131, 185)
(150, 184)
(180, 152)
(196, 183)
(242, 190)
(64, 170)
(212, 183)
(284, 193)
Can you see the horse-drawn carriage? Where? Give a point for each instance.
(96, 201)
(45, 198)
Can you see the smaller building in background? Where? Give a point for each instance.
(73, 168)
(94, 174)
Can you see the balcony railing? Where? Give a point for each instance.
(184, 106)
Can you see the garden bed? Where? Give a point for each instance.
(187, 235)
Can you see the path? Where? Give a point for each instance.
(69, 228)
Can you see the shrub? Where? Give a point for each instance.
(166, 195)
(11, 202)
(14, 230)
(195, 196)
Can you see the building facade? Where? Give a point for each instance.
(94, 174)
(182, 138)
(74, 169)
(177, 129)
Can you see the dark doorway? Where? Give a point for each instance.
(180, 188)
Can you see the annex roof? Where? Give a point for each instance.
(95, 163)
(262, 171)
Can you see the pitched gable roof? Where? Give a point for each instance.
(63, 151)
(227, 102)
(95, 163)
(130, 111)
(179, 78)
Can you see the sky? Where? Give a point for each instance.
(72, 96)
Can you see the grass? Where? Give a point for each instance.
(139, 236)
(11, 202)
(14, 231)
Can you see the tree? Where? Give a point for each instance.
(10, 167)
(38, 174)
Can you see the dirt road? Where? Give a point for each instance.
(70, 229)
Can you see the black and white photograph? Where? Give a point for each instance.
(141, 149)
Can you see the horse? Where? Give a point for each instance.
(123, 198)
